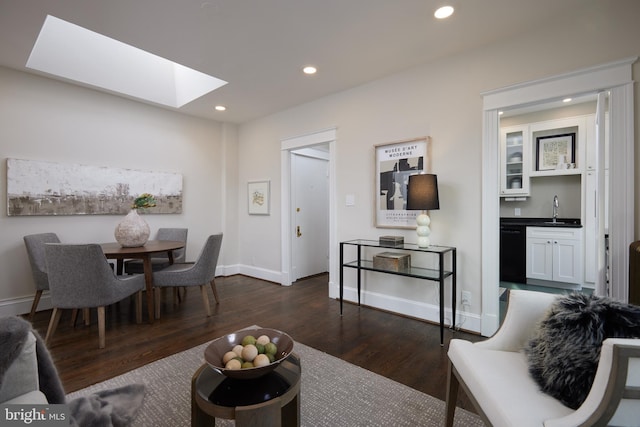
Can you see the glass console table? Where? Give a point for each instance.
(437, 275)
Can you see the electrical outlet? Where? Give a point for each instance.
(466, 297)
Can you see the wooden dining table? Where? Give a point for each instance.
(114, 250)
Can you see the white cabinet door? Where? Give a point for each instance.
(595, 209)
(539, 259)
(555, 254)
(567, 265)
(515, 156)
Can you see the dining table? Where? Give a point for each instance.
(113, 250)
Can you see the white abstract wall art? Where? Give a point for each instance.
(46, 188)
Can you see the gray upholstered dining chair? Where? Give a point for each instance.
(81, 278)
(199, 273)
(160, 261)
(35, 250)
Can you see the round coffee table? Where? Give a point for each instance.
(271, 400)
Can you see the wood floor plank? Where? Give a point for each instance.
(400, 348)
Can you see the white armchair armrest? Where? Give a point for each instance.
(526, 309)
(615, 391)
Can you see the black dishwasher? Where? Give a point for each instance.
(513, 252)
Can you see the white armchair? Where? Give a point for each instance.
(27, 372)
(494, 374)
(19, 384)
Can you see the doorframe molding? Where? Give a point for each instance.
(324, 136)
(615, 77)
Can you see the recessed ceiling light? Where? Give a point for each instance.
(443, 12)
(221, 108)
(309, 69)
(75, 53)
(567, 100)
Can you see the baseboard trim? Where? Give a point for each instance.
(419, 310)
(22, 305)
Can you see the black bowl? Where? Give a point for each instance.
(217, 348)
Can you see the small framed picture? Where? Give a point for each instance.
(258, 192)
(555, 149)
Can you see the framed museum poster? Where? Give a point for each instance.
(395, 162)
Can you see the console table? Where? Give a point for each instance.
(437, 275)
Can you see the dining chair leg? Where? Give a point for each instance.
(139, 307)
(157, 302)
(74, 317)
(215, 291)
(205, 300)
(34, 305)
(86, 314)
(101, 327)
(53, 324)
(176, 296)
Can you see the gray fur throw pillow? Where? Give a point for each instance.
(563, 354)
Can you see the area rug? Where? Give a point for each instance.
(333, 393)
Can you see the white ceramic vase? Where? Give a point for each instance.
(132, 231)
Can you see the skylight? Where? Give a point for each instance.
(75, 53)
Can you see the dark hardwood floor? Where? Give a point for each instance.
(403, 349)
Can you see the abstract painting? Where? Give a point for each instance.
(47, 188)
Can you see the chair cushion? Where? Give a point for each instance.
(501, 385)
(564, 351)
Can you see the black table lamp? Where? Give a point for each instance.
(422, 195)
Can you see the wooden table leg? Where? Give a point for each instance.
(265, 414)
(199, 418)
(148, 281)
(291, 412)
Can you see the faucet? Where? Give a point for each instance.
(556, 205)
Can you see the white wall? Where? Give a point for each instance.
(441, 99)
(45, 120)
(41, 119)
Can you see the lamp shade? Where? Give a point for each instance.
(422, 192)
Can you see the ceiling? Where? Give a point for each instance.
(260, 46)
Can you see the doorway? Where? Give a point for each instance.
(616, 78)
(327, 140)
(310, 211)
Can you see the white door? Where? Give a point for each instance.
(310, 204)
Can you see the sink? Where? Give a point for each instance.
(557, 222)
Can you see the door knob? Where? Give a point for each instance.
(298, 233)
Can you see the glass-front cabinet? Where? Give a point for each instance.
(514, 161)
